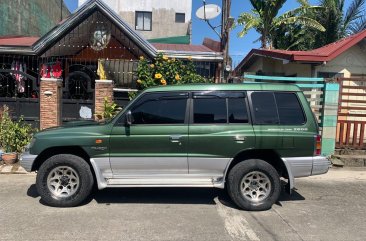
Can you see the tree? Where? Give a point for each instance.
(265, 20)
(338, 24)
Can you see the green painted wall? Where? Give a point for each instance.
(331, 95)
(30, 17)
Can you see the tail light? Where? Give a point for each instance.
(318, 145)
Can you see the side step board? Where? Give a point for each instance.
(161, 182)
(105, 178)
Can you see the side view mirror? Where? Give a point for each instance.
(128, 118)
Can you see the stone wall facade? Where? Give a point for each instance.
(103, 89)
(50, 103)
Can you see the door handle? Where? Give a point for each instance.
(175, 138)
(239, 138)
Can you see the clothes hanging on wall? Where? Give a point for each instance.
(51, 70)
(18, 69)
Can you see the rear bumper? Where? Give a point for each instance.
(305, 166)
(26, 160)
(321, 165)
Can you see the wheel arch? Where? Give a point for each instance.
(73, 150)
(268, 155)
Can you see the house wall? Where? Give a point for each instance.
(256, 66)
(163, 15)
(31, 17)
(290, 69)
(351, 62)
(276, 67)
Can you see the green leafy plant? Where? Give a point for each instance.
(14, 135)
(110, 110)
(166, 71)
(265, 19)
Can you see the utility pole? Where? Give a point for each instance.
(227, 23)
(61, 9)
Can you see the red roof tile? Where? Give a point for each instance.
(17, 41)
(182, 47)
(325, 53)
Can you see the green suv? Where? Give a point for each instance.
(241, 137)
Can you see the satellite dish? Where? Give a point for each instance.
(208, 11)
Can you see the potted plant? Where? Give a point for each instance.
(14, 136)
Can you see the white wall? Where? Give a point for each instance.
(180, 6)
(163, 15)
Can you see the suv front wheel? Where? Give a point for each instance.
(64, 180)
(254, 185)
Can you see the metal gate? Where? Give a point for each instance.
(22, 97)
(78, 94)
(351, 113)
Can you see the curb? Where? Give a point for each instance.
(349, 160)
(12, 169)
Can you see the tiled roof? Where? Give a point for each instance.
(17, 40)
(325, 53)
(182, 47)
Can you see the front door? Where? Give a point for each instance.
(156, 142)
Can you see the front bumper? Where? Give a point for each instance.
(321, 165)
(26, 160)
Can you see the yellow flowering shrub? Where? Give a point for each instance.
(163, 81)
(158, 76)
(177, 77)
(165, 71)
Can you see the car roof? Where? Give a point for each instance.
(223, 87)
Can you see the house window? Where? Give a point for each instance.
(329, 74)
(180, 17)
(143, 21)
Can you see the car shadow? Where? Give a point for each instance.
(156, 195)
(203, 196)
(32, 191)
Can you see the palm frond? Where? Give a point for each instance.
(257, 5)
(300, 11)
(248, 21)
(302, 20)
(354, 12)
(304, 3)
(357, 26)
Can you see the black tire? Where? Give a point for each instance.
(239, 171)
(82, 190)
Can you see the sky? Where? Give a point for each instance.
(238, 47)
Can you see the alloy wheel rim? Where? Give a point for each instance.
(63, 181)
(255, 186)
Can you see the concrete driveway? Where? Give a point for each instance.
(329, 207)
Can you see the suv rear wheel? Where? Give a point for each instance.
(254, 185)
(64, 180)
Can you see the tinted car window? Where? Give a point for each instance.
(237, 110)
(209, 111)
(264, 108)
(289, 109)
(159, 109)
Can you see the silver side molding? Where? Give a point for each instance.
(102, 170)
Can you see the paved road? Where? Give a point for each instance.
(329, 207)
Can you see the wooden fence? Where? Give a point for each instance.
(351, 113)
